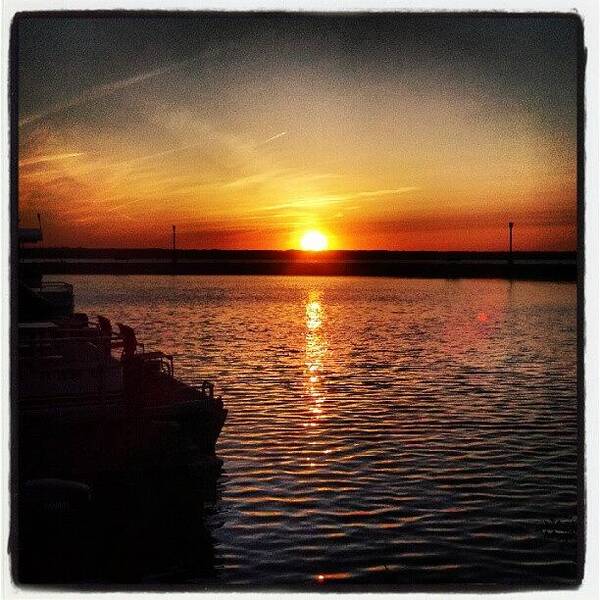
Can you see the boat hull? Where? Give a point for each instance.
(88, 441)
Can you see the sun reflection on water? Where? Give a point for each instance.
(314, 360)
(315, 351)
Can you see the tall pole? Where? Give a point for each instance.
(174, 257)
(510, 230)
(40, 226)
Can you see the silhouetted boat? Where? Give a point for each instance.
(93, 403)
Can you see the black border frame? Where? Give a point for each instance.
(13, 279)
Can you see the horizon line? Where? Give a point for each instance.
(310, 252)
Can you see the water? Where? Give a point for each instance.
(379, 430)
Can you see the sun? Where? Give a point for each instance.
(314, 241)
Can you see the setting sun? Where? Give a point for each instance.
(314, 241)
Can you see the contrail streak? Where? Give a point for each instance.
(273, 137)
(101, 91)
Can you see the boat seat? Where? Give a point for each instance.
(131, 345)
(106, 329)
(105, 325)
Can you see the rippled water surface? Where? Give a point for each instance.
(379, 430)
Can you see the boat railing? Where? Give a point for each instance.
(86, 359)
(67, 335)
(67, 365)
(90, 335)
(56, 286)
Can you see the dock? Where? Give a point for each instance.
(541, 266)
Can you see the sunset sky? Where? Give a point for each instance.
(382, 132)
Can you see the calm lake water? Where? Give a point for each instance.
(379, 430)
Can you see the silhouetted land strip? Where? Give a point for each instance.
(549, 266)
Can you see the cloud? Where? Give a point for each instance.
(48, 158)
(161, 154)
(327, 199)
(375, 193)
(304, 203)
(257, 178)
(100, 91)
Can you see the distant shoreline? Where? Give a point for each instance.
(546, 266)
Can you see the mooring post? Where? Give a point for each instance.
(510, 253)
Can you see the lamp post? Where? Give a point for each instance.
(174, 256)
(510, 231)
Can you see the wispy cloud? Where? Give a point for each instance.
(303, 203)
(375, 193)
(48, 158)
(327, 199)
(100, 91)
(162, 154)
(254, 179)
